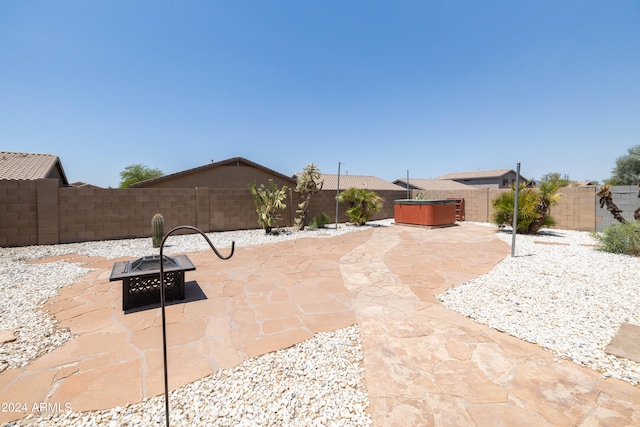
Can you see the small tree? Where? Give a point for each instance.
(547, 196)
(137, 173)
(556, 178)
(627, 169)
(309, 183)
(268, 202)
(361, 204)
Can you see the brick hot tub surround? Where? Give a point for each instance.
(425, 212)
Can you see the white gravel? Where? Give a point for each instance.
(569, 298)
(319, 382)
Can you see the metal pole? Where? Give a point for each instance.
(515, 212)
(408, 196)
(162, 304)
(164, 336)
(337, 194)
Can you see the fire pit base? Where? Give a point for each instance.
(141, 279)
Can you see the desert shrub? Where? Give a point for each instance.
(362, 203)
(309, 183)
(268, 202)
(320, 221)
(620, 238)
(533, 207)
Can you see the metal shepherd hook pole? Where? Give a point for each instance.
(162, 304)
(515, 212)
(337, 194)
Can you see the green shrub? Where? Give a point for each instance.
(620, 238)
(320, 221)
(533, 207)
(361, 204)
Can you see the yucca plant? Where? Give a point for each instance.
(268, 202)
(361, 204)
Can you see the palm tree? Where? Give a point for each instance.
(533, 207)
(548, 196)
(362, 203)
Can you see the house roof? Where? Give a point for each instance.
(81, 184)
(477, 174)
(434, 184)
(357, 181)
(213, 165)
(30, 166)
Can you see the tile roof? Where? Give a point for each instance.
(358, 181)
(434, 184)
(81, 184)
(477, 174)
(29, 166)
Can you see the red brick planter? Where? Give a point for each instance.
(425, 212)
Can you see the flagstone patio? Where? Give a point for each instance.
(424, 364)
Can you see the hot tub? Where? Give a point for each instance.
(425, 212)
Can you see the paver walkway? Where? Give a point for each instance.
(425, 365)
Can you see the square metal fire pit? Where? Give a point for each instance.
(141, 279)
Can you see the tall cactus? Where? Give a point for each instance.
(157, 228)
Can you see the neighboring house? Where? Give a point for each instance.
(80, 184)
(501, 178)
(30, 166)
(357, 181)
(235, 173)
(325, 201)
(433, 184)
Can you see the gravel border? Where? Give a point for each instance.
(560, 292)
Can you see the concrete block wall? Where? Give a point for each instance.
(477, 203)
(625, 197)
(47, 211)
(387, 209)
(325, 202)
(576, 209)
(97, 214)
(232, 209)
(19, 213)
(38, 212)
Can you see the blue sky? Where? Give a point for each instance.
(432, 87)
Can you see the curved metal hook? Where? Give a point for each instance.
(162, 303)
(189, 227)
